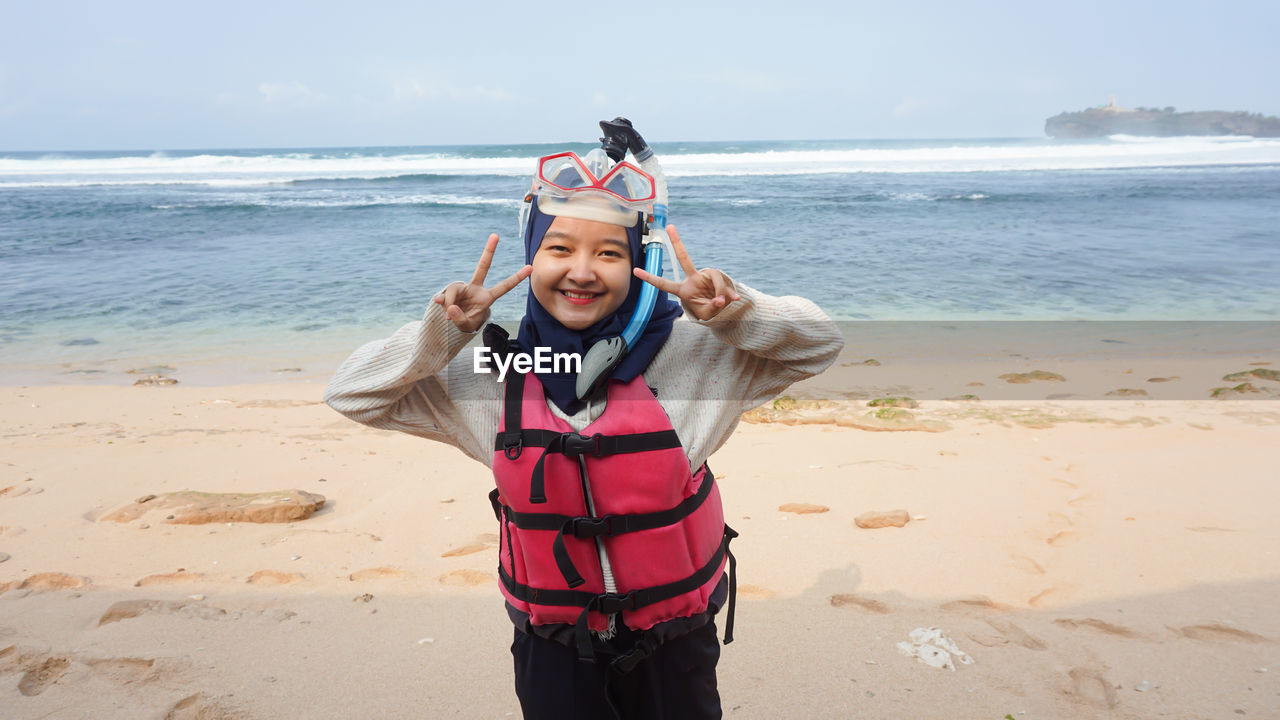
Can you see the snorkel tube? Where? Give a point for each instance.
(605, 355)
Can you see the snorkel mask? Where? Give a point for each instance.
(591, 188)
(604, 188)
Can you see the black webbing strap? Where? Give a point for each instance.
(610, 603)
(729, 534)
(612, 525)
(494, 494)
(616, 524)
(572, 445)
(510, 437)
(648, 643)
(512, 440)
(586, 526)
(646, 646)
(599, 445)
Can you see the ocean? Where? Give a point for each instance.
(258, 260)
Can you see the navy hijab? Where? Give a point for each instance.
(540, 329)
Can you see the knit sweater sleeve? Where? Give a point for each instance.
(710, 372)
(416, 381)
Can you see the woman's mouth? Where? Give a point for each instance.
(579, 298)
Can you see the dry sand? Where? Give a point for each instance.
(1105, 558)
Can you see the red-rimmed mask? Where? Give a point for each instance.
(565, 175)
(590, 188)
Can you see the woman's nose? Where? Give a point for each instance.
(582, 269)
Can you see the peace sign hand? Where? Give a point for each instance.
(467, 304)
(704, 293)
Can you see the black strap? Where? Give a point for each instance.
(598, 445)
(646, 646)
(586, 526)
(612, 525)
(497, 339)
(494, 494)
(730, 534)
(609, 603)
(615, 602)
(573, 444)
(649, 642)
(616, 524)
(510, 438)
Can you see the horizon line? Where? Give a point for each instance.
(500, 144)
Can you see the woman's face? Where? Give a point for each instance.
(582, 271)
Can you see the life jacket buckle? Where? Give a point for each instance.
(624, 664)
(610, 603)
(589, 527)
(575, 444)
(512, 445)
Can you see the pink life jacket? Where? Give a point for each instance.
(662, 527)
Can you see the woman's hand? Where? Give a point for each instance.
(704, 293)
(466, 304)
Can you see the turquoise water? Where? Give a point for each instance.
(112, 257)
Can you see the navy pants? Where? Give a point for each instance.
(677, 682)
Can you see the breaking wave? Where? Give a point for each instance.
(444, 199)
(230, 170)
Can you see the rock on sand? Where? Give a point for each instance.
(188, 507)
(271, 578)
(1034, 375)
(53, 581)
(875, 519)
(802, 508)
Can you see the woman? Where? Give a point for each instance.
(613, 547)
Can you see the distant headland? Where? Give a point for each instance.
(1111, 119)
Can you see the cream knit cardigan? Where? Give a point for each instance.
(706, 375)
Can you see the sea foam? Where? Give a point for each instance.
(851, 157)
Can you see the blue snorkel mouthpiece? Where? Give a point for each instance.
(603, 357)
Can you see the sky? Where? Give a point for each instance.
(166, 75)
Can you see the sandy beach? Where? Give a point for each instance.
(1112, 557)
(1039, 481)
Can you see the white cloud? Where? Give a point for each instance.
(910, 106)
(431, 87)
(291, 95)
(1034, 84)
(10, 105)
(751, 82)
(625, 103)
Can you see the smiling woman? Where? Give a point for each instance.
(581, 271)
(637, 567)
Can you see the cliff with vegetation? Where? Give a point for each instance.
(1111, 119)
